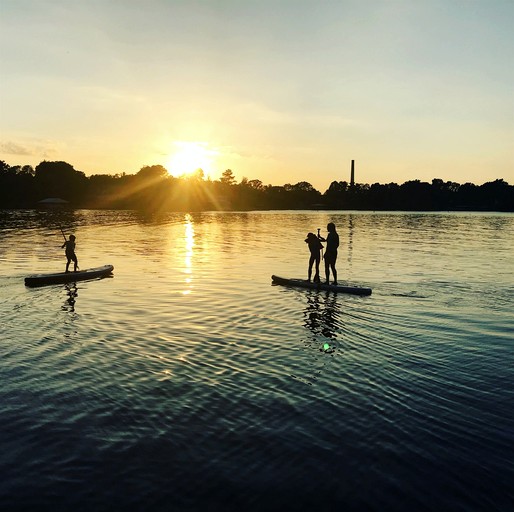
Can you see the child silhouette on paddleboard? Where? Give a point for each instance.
(315, 247)
(70, 253)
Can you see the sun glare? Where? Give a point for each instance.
(188, 157)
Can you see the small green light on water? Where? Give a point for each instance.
(326, 346)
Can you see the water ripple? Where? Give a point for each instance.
(188, 379)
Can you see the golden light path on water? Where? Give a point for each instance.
(189, 234)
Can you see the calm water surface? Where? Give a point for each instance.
(188, 382)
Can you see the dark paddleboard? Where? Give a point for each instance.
(68, 277)
(302, 283)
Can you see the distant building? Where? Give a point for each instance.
(352, 175)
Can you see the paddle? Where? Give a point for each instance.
(320, 238)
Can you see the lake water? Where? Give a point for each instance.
(188, 382)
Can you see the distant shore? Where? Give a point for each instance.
(59, 185)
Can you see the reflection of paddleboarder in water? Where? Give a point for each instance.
(331, 252)
(70, 253)
(321, 318)
(71, 290)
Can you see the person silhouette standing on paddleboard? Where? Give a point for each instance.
(70, 253)
(314, 247)
(330, 257)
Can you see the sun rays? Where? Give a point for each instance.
(187, 157)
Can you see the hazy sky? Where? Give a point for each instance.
(278, 90)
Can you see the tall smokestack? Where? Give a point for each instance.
(352, 176)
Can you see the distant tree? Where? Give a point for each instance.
(16, 185)
(467, 196)
(4, 167)
(27, 170)
(149, 189)
(303, 186)
(249, 194)
(228, 178)
(153, 172)
(59, 179)
(337, 187)
(444, 194)
(336, 194)
(302, 195)
(102, 190)
(497, 195)
(198, 175)
(256, 184)
(416, 195)
(392, 199)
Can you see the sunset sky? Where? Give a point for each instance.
(278, 90)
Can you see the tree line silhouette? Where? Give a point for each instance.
(154, 189)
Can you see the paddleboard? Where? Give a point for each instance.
(302, 283)
(68, 277)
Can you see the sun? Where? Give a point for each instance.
(188, 157)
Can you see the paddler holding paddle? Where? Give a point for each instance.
(70, 252)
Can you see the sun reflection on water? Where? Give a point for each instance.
(189, 234)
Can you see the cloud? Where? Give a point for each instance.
(34, 148)
(12, 148)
